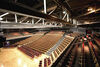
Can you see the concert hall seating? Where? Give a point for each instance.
(28, 40)
(45, 43)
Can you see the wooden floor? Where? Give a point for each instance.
(12, 57)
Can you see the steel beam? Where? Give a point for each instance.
(45, 9)
(32, 21)
(19, 8)
(23, 19)
(64, 16)
(65, 5)
(4, 14)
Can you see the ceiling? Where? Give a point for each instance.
(76, 8)
(79, 9)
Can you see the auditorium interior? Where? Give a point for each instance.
(49, 33)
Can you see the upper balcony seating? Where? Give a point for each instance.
(28, 40)
(45, 43)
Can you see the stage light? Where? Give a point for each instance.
(1, 18)
(90, 9)
(64, 12)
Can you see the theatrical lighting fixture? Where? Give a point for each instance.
(64, 12)
(91, 9)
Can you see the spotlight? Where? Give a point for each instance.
(1, 18)
(90, 9)
(64, 12)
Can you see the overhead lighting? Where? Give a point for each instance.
(27, 21)
(86, 22)
(1, 18)
(90, 9)
(93, 11)
(64, 12)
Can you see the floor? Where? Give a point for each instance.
(12, 57)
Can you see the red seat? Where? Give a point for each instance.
(45, 63)
(40, 63)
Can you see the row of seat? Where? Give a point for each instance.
(97, 42)
(30, 52)
(44, 43)
(86, 59)
(55, 32)
(28, 40)
(60, 48)
(71, 57)
(72, 60)
(46, 63)
(93, 53)
(16, 34)
(68, 59)
(75, 34)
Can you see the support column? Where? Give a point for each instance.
(67, 18)
(32, 21)
(76, 25)
(45, 10)
(6, 20)
(15, 18)
(64, 16)
(43, 22)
